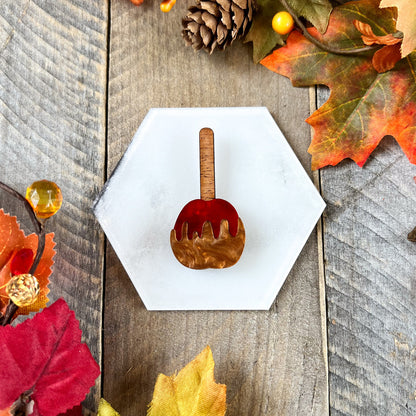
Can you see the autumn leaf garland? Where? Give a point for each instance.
(364, 105)
(45, 369)
(355, 49)
(13, 239)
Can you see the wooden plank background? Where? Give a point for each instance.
(76, 79)
(53, 66)
(370, 276)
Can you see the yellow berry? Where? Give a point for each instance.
(45, 197)
(283, 23)
(166, 5)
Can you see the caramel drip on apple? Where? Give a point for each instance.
(207, 251)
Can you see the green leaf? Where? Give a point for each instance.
(261, 33)
(315, 11)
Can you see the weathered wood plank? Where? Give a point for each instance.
(273, 362)
(53, 57)
(370, 269)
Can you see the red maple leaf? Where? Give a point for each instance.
(75, 411)
(44, 355)
(364, 106)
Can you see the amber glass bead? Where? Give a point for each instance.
(166, 5)
(23, 289)
(45, 197)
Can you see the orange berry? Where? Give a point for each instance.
(283, 23)
(166, 5)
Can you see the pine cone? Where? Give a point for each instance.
(217, 23)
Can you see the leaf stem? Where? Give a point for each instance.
(319, 44)
(40, 232)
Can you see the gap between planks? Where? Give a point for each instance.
(316, 176)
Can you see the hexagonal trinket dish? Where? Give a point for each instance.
(255, 169)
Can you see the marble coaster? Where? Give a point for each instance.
(255, 170)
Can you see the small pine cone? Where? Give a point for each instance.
(23, 289)
(217, 23)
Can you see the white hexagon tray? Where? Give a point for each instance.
(256, 171)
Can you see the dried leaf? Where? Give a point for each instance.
(370, 38)
(364, 106)
(13, 239)
(192, 392)
(105, 409)
(386, 58)
(45, 355)
(406, 22)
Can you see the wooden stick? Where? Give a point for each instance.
(207, 164)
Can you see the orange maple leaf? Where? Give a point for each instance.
(13, 239)
(364, 105)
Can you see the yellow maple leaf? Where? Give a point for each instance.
(105, 409)
(191, 392)
(406, 22)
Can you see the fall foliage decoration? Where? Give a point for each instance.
(23, 289)
(360, 37)
(262, 34)
(45, 197)
(45, 369)
(191, 392)
(54, 369)
(211, 25)
(406, 22)
(364, 105)
(15, 247)
(385, 58)
(105, 409)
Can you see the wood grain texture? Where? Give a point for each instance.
(52, 126)
(272, 362)
(207, 164)
(370, 275)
